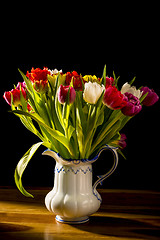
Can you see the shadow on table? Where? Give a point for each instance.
(120, 227)
(104, 226)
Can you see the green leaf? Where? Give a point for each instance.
(143, 97)
(100, 119)
(12, 103)
(23, 100)
(120, 152)
(54, 133)
(71, 129)
(113, 131)
(27, 122)
(58, 110)
(107, 127)
(104, 76)
(29, 85)
(22, 166)
(116, 80)
(79, 132)
(132, 81)
(80, 120)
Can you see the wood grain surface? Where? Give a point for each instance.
(124, 215)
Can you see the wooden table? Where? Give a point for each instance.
(123, 215)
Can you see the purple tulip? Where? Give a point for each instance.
(62, 94)
(133, 106)
(122, 141)
(151, 98)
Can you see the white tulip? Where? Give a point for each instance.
(55, 71)
(128, 88)
(92, 92)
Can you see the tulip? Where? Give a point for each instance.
(113, 98)
(131, 89)
(38, 74)
(151, 98)
(77, 80)
(92, 92)
(41, 86)
(52, 78)
(39, 79)
(62, 94)
(109, 81)
(16, 96)
(54, 72)
(21, 85)
(133, 106)
(91, 78)
(122, 142)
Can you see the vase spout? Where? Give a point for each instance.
(50, 153)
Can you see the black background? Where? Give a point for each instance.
(139, 171)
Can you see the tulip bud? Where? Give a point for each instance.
(90, 78)
(151, 98)
(41, 86)
(133, 106)
(122, 142)
(62, 94)
(77, 80)
(16, 96)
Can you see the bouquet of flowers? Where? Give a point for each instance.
(74, 115)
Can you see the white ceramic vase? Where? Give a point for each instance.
(73, 198)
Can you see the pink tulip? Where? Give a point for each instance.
(62, 94)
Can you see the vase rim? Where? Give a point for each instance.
(81, 161)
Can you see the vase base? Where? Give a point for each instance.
(72, 220)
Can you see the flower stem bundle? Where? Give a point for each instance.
(76, 115)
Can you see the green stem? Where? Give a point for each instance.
(103, 133)
(88, 142)
(73, 112)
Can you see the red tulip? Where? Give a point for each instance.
(77, 81)
(109, 81)
(38, 74)
(16, 96)
(39, 79)
(21, 85)
(113, 98)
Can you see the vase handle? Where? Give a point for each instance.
(101, 178)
